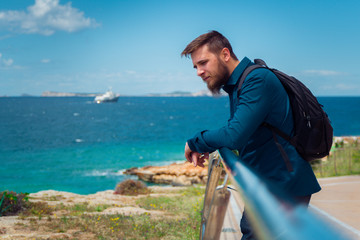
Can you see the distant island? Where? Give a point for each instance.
(203, 93)
(181, 94)
(64, 94)
(172, 94)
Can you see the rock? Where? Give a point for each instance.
(182, 181)
(163, 178)
(130, 171)
(144, 175)
(177, 174)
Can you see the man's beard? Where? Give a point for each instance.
(222, 78)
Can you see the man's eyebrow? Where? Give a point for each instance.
(195, 65)
(200, 62)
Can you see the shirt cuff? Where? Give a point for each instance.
(198, 144)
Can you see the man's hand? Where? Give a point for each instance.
(196, 158)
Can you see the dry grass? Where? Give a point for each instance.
(164, 215)
(131, 188)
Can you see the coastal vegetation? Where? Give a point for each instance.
(131, 187)
(165, 215)
(12, 203)
(141, 213)
(344, 159)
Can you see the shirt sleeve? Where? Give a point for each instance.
(254, 105)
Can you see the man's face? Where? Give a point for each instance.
(211, 68)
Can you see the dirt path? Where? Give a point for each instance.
(339, 201)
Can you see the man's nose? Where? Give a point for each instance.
(200, 72)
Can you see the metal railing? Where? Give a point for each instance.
(216, 201)
(271, 212)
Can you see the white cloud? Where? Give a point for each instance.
(130, 72)
(45, 17)
(341, 89)
(5, 62)
(323, 73)
(345, 87)
(45, 60)
(8, 62)
(42, 7)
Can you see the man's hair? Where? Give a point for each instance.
(215, 41)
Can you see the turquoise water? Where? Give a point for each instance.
(73, 144)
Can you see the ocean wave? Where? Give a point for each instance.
(163, 162)
(104, 173)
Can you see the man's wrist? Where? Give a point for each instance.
(191, 145)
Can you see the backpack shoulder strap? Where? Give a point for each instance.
(259, 63)
(244, 75)
(282, 152)
(280, 133)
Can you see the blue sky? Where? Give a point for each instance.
(134, 46)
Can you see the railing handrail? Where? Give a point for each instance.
(272, 218)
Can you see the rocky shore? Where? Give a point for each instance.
(176, 174)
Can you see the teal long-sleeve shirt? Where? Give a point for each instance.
(262, 99)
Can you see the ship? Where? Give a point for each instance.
(109, 96)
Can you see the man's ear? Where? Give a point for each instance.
(225, 54)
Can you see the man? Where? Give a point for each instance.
(262, 99)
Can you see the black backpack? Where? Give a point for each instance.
(313, 133)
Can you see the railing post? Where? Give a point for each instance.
(214, 173)
(217, 212)
(335, 153)
(215, 201)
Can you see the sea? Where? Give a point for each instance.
(74, 144)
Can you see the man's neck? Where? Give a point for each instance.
(232, 65)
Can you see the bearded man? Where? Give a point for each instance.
(262, 99)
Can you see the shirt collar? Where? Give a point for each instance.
(235, 75)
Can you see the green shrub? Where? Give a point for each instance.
(356, 156)
(131, 187)
(342, 161)
(12, 203)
